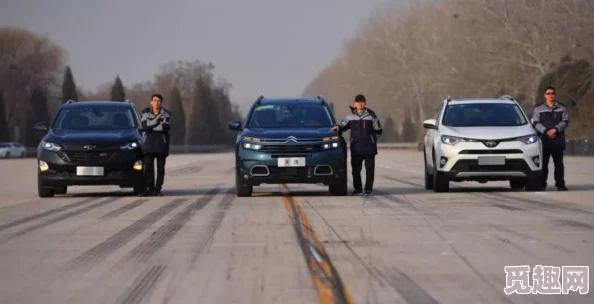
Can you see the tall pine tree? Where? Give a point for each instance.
(3, 123)
(118, 92)
(69, 86)
(38, 111)
(178, 118)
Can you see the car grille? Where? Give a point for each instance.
(89, 158)
(93, 147)
(471, 165)
(500, 151)
(288, 172)
(291, 148)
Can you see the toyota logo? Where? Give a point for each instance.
(89, 147)
(490, 144)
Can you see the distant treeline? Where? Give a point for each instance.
(35, 81)
(407, 59)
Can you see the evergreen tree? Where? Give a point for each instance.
(69, 90)
(38, 111)
(118, 92)
(178, 119)
(4, 136)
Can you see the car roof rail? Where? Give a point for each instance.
(508, 97)
(127, 100)
(448, 99)
(259, 100)
(321, 99)
(69, 101)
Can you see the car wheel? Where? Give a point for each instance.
(61, 190)
(440, 181)
(339, 188)
(138, 189)
(241, 188)
(22, 154)
(428, 176)
(7, 155)
(517, 184)
(42, 190)
(533, 184)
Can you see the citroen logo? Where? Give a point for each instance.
(291, 138)
(490, 144)
(89, 147)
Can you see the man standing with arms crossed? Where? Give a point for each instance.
(365, 128)
(156, 123)
(550, 119)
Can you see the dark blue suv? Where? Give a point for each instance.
(288, 141)
(90, 143)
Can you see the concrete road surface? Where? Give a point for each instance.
(293, 244)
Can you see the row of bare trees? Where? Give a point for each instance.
(406, 60)
(35, 81)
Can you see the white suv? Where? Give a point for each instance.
(482, 139)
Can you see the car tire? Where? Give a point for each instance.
(339, 188)
(138, 189)
(428, 177)
(61, 190)
(517, 184)
(7, 155)
(241, 189)
(440, 181)
(42, 190)
(533, 184)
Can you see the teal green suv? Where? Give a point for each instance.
(289, 141)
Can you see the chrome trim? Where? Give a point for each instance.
(487, 174)
(255, 166)
(316, 169)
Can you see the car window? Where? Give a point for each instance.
(291, 116)
(4, 146)
(483, 115)
(95, 118)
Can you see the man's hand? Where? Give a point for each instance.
(335, 128)
(551, 133)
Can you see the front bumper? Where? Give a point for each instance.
(321, 167)
(123, 169)
(461, 162)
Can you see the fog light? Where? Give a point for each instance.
(138, 165)
(43, 166)
(442, 162)
(536, 161)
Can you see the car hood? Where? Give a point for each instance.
(103, 136)
(298, 133)
(489, 132)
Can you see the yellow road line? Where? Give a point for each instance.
(324, 276)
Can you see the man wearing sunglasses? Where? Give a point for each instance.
(550, 120)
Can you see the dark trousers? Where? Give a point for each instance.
(357, 165)
(557, 155)
(149, 171)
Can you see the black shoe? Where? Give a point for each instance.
(146, 193)
(562, 188)
(357, 192)
(367, 192)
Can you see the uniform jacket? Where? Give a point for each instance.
(155, 130)
(365, 130)
(545, 118)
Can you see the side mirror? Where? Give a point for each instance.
(41, 126)
(430, 124)
(234, 125)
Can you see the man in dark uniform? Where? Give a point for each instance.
(365, 128)
(156, 123)
(550, 120)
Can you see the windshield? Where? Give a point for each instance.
(95, 118)
(483, 115)
(291, 116)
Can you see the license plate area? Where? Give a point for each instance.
(491, 160)
(291, 161)
(90, 171)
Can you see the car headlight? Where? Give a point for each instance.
(130, 146)
(252, 146)
(331, 145)
(51, 146)
(452, 140)
(529, 139)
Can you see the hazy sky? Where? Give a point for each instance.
(270, 47)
